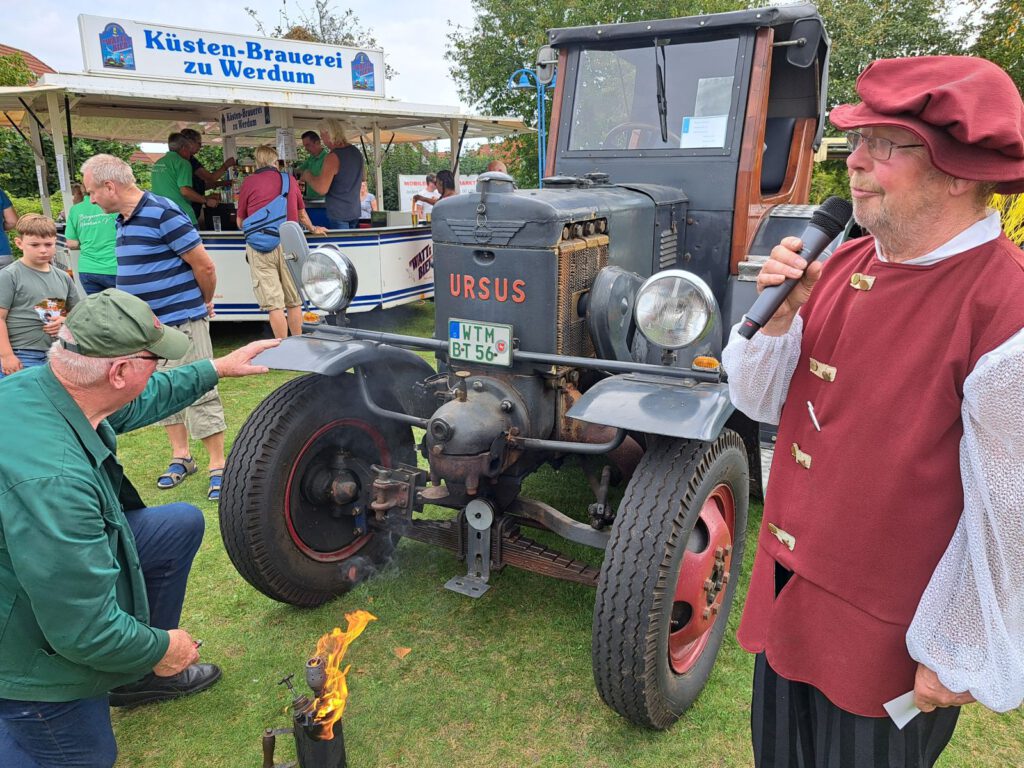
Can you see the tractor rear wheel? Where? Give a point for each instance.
(295, 503)
(669, 575)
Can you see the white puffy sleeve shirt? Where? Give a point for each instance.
(969, 624)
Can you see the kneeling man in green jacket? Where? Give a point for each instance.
(92, 581)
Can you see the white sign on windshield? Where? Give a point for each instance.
(700, 132)
(119, 47)
(708, 124)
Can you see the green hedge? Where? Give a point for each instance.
(25, 205)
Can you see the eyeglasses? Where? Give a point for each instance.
(878, 148)
(142, 357)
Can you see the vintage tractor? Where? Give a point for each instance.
(582, 320)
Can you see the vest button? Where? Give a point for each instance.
(861, 282)
(822, 371)
(786, 539)
(803, 459)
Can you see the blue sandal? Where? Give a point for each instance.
(216, 480)
(179, 469)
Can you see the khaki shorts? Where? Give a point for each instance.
(205, 416)
(271, 281)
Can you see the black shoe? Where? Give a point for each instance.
(151, 688)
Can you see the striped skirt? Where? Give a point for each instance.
(793, 725)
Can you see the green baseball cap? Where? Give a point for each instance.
(114, 323)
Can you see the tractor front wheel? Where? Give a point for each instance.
(669, 575)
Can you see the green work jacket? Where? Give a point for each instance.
(73, 608)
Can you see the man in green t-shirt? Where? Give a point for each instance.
(172, 177)
(93, 233)
(314, 163)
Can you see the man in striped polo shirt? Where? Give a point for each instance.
(161, 259)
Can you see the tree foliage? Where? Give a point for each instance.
(17, 163)
(319, 24)
(507, 33)
(14, 71)
(865, 30)
(1001, 38)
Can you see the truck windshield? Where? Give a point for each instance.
(616, 98)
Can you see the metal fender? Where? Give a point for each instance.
(657, 405)
(384, 366)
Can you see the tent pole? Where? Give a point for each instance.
(41, 170)
(378, 173)
(59, 149)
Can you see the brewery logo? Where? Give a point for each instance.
(362, 73)
(116, 48)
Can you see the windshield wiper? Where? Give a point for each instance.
(662, 98)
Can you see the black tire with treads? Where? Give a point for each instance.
(303, 424)
(635, 612)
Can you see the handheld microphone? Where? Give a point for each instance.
(828, 221)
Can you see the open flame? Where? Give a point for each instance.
(330, 703)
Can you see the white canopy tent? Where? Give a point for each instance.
(140, 109)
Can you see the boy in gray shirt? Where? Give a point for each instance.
(35, 297)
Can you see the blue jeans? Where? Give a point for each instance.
(354, 224)
(93, 282)
(30, 358)
(78, 733)
(43, 734)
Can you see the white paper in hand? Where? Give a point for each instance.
(902, 709)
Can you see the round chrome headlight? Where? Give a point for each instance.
(674, 308)
(329, 278)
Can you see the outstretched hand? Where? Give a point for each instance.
(238, 363)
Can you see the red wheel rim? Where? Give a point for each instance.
(703, 580)
(381, 446)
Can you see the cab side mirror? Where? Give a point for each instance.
(804, 40)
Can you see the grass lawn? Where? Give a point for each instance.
(500, 681)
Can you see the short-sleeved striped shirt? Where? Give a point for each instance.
(150, 244)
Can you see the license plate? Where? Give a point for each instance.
(472, 342)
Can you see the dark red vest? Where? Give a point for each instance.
(862, 510)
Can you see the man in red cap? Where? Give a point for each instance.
(890, 564)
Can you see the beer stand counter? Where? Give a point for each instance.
(393, 263)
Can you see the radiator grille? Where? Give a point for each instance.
(668, 253)
(579, 261)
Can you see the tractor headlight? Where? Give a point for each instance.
(674, 308)
(329, 278)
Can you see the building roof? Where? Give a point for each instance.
(147, 158)
(37, 66)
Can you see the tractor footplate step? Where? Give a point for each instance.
(467, 585)
(478, 515)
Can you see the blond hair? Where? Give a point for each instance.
(266, 156)
(334, 130)
(109, 168)
(36, 225)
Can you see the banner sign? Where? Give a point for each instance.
(114, 46)
(239, 120)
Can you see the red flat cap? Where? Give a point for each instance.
(966, 110)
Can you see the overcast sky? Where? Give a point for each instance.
(411, 33)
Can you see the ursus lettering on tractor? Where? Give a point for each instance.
(585, 319)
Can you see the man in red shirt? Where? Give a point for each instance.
(272, 283)
(888, 570)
